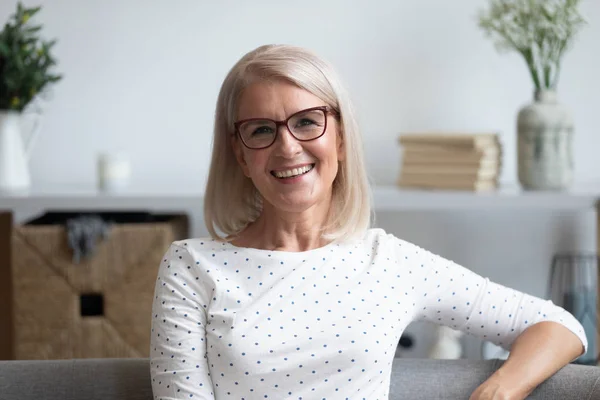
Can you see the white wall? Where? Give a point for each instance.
(143, 77)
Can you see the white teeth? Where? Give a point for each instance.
(293, 172)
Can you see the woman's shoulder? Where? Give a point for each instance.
(200, 244)
(380, 237)
(375, 233)
(186, 254)
(373, 237)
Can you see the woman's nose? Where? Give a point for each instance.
(286, 144)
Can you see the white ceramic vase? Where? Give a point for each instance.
(15, 148)
(545, 144)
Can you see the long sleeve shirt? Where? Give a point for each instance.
(243, 323)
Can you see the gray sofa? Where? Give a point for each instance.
(129, 379)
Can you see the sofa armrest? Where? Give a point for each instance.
(425, 379)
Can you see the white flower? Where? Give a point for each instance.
(540, 30)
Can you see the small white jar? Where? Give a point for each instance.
(114, 172)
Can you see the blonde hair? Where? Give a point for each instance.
(231, 199)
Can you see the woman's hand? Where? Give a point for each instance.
(538, 353)
(495, 389)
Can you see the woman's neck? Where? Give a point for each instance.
(283, 231)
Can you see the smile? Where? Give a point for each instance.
(293, 172)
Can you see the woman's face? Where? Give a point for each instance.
(313, 164)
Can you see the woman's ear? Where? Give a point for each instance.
(239, 155)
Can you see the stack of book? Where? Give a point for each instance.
(450, 161)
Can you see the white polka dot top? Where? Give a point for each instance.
(242, 323)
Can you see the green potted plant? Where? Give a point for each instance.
(26, 65)
(541, 31)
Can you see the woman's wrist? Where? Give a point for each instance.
(513, 386)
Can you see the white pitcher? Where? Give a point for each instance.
(15, 150)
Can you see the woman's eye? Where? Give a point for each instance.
(262, 130)
(305, 122)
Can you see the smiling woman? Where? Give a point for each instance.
(294, 295)
(285, 108)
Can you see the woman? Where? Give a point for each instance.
(294, 296)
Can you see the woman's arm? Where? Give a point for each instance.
(543, 334)
(178, 363)
(537, 354)
(449, 294)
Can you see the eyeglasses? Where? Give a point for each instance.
(305, 125)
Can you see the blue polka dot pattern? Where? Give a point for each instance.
(235, 323)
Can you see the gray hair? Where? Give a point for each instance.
(231, 199)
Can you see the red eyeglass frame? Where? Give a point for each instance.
(326, 110)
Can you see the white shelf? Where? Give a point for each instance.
(386, 198)
(400, 199)
(82, 199)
